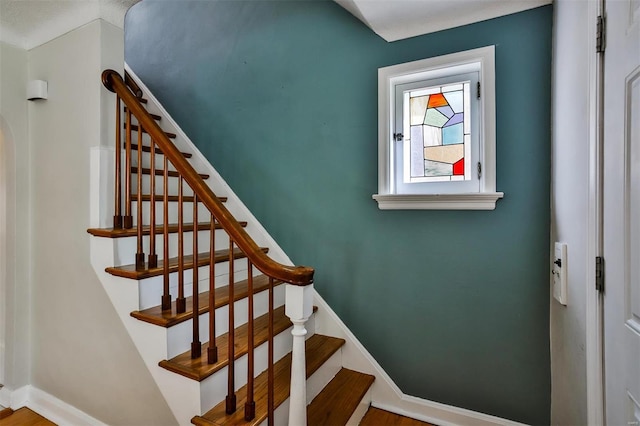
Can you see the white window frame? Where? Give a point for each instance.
(425, 69)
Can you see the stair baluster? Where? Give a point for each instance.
(250, 405)
(181, 301)
(128, 219)
(153, 257)
(140, 251)
(231, 392)
(166, 295)
(270, 361)
(117, 217)
(195, 344)
(212, 349)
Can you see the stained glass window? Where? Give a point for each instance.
(439, 133)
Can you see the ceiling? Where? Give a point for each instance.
(30, 23)
(399, 19)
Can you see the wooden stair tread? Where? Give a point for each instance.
(129, 271)
(170, 317)
(154, 116)
(376, 416)
(172, 198)
(134, 128)
(5, 412)
(199, 369)
(146, 148)
(160, 172)
(319, 348)
(25, 417)
(146, 230)
(339, 399)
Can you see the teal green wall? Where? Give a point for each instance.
(281, 96)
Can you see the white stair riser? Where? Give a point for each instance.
(179, 336)
(151, 289)
(361, 410)
(172, 183)
(146, 159)
(187, 212)
(214, 388)
(315, 384)
(126, 248)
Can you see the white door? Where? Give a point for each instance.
(621, 212)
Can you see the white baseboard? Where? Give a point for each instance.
(5, 397)
(47, 406)
(14, 398)
(385, 394)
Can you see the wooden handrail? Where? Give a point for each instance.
(137, 92)
(297, 275)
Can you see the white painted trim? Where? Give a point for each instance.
(5, 397)
(19, 397)
(594, 309)
(385, 394)
(47, 406)
(482, 59)
(57, 410)
(472, 201)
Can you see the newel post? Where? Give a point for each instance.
(298, 307)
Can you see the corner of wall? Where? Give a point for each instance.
(15, 279)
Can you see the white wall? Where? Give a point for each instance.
(571, 120)
(81, 352)
(14, 218)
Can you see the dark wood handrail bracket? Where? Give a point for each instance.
(296, 275)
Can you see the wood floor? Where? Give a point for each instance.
(25, 417)
(377, 417)
(373, 417)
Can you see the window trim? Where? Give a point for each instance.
(388, 78)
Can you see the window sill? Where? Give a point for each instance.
(471, 201)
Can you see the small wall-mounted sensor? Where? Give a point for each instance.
(37, 90)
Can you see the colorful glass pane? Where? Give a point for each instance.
(444, 153)
(452, 134)
(446, 110)
(435, 118)
(434, 168)
(455, 100)
(437, 100)
(432, 136)
(417, 155)
(418, 109)
(457, 118)
(458, 167)
(437, 124)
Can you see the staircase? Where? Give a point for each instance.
(226, 330)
